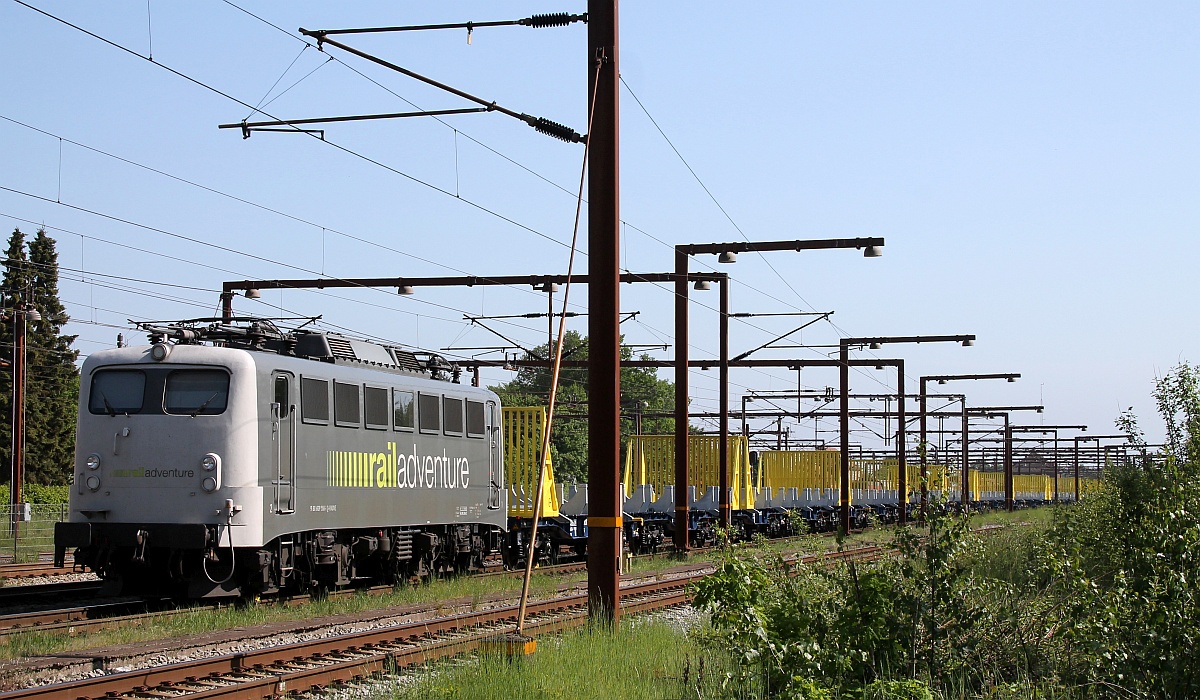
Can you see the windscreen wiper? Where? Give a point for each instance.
(201, 407)
(112, 412)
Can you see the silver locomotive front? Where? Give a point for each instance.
(166, 467)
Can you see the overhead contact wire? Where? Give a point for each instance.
(530, 170)
(338, 146)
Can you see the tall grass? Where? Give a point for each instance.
(645, 660)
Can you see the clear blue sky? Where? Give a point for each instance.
(1034, 167)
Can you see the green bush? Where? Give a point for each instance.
(897, 690)
(1101, 602)
(39, 493)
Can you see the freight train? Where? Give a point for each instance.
(234, 458)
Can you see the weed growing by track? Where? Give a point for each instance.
(644, 660)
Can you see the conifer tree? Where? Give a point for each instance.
(52, 381)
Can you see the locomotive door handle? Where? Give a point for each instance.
(123, 432)
(290, 505)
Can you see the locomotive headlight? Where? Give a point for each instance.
(93, 461)
(210, 464)
(159, 351)
(93, 482)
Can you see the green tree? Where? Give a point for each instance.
(52, 380)
(52, 372)
(641, 392)
(1133, 548)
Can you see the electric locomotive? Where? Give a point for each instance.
(229, 457)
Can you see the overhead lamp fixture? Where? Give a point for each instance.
(968, 343)
(547, 287)
(873, 251)
(33, 315)
(1039, 409)
(253, 293)
(941, 381)
(702, 285)
(727, 256)
(875, 346)
(1011, 380)
(878, 366)
(405, 289)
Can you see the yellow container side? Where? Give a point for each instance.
(523, 428)
(650, 460)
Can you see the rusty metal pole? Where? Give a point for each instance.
(901, 445)
(723, 449)
(844, 409)
(227, 306)
(604, 318)
(1010, 495)
(1056, 466)
(681, 401)
(965, 491)
(550, 320)
(1077, 469)
(18, 425)
(923, 454)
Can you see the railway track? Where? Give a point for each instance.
(33, 569)
(102, 615)
(108, 614)
(325, 663)
(13, 596)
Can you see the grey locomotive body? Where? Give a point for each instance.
(279, 461)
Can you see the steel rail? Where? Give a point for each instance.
(26, 594)
(274, 671)
(31, 569)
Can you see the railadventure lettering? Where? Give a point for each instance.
(394, 469)
(155, 473)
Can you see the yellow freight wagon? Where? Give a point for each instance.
(650, 460)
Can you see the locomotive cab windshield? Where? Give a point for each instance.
(159, 390)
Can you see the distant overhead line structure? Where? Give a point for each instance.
(728, 252)
(875, 343)
(942, 379)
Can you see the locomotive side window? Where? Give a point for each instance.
(117, 391)
(375, 406)
(314, 400)
(404, 409)
(281, 396)
(196, 392)
(345, 405)
(452, 416)
(429, 413)
(475, 427)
